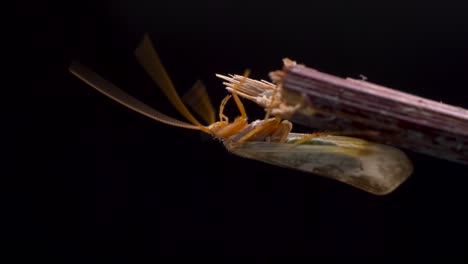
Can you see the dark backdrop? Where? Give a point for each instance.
(96, 179)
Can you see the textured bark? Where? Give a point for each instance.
(396, 118)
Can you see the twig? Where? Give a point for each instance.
(348, 106)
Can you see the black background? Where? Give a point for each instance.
(96, 179)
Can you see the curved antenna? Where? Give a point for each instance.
(151, 62)
(197, 98)
(117, 94)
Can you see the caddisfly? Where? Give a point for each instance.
(372, 167)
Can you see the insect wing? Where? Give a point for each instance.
(375, 168)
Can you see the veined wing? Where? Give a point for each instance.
(375, 168)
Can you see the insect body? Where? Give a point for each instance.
(372, 167)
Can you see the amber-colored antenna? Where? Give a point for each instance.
(151, 62)
(199, 101)
(117, 94)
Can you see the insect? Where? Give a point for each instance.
(372, 167)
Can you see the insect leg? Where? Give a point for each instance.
(308, 137)
(223, 117)
(262, 130)
(282, 132)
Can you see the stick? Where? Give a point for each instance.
(356, 107)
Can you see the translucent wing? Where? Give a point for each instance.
(197, 98)
(375, 168)
(112, 91)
